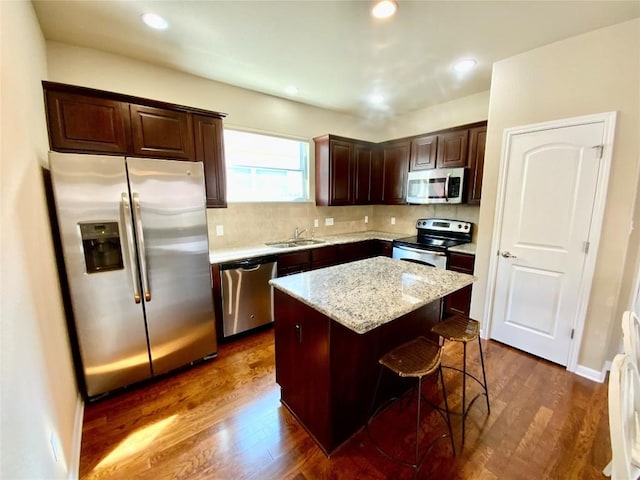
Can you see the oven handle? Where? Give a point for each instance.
(419, 250)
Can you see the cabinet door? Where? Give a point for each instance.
(376, 195)
(452, 149)
(477, 141)
(363, 155)
(78, 123)
(396, 167)
(423, 152)
(459, 302)
(341, 172)
(294, 262)
(210, 151)
(161, 133)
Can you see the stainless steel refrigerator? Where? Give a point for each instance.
(134, 241)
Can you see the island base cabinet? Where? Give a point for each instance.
(327, 372)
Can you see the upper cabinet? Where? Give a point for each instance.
(423, 152)
(396, 167)
(159, 132)
(452, 149)
(87, 124)
(354, 172)
(85, 120)
(443, 150)
(477, 141)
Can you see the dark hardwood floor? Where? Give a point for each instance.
(223, 420)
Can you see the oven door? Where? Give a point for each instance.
(418, 255)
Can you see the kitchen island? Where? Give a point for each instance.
(332, 325)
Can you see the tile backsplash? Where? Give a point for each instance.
(246, 224)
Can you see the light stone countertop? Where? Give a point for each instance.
(219, 255)
(366, 294)
(468, 248)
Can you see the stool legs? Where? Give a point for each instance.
(483, 384)
(373, 412)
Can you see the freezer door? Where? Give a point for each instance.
(97, 248)
(168, 200)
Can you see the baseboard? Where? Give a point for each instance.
(591, 374)
(74, 463)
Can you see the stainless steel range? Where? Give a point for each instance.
(434, 237)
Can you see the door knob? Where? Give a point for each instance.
(506, 254)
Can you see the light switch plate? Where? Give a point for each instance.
(316, 223)
(219, 230)
(366, 219)
(393, 220)
(328, 221)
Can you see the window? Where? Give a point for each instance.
(262, 168)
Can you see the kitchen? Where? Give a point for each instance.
(526, 88)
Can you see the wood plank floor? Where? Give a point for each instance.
(223, 420)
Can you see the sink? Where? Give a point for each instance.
(281, 244)
(294, 243)
(307, 241)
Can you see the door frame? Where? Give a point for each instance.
(597, 216)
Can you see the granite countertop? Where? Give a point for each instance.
(365, 294)
(468, 248)
(219, 255)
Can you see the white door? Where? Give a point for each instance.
(550, 189)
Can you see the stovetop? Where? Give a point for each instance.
(438, 234)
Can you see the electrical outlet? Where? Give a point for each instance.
(366, 219)
(328, 221)
(393, 220)
(219, 230)
(316, 223)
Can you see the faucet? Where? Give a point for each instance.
(297, 233)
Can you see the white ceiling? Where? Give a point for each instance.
(335, 52)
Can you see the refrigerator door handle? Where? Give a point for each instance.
(141, 250)
(128, 222)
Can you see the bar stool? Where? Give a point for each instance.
(463, 329)
(418, 358)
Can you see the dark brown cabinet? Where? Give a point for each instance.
(87, 124)
(452, 149)
(395, 169)
(161, 133)
(348, 172)
(210, 150)
(443, 150)
(369, 174)
(459, 302)
(84, 120)
(477, 142)
(324, 257)
(423, 152)
(294, 262)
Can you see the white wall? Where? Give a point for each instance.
(39, 396)
(595, 72)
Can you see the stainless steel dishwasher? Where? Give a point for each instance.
(247, 298)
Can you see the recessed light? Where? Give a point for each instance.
(464, 66)
(291, 90)
(376, 99)
(154, 20)
(384, 8)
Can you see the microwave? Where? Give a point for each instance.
(440, 185)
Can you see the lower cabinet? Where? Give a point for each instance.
(294, 262)
(459, 302)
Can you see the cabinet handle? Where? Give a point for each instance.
(299, 332)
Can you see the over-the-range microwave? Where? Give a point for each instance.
(440, 185)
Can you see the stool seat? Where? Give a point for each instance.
(457, 329)
(418, 358)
